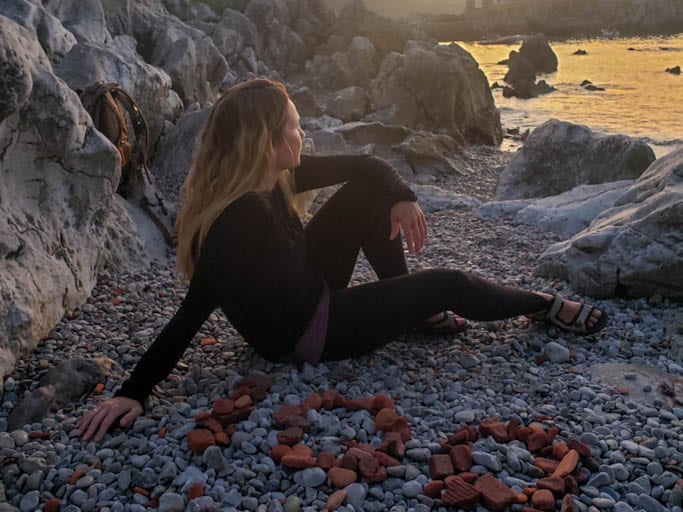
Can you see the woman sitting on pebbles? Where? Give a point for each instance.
(285, 287)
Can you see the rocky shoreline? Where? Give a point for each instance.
(504, 370)
(81, 303)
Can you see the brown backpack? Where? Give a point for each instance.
(108, 105)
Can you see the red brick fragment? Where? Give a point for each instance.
(298, 461)
(495, 495)
(560, 449)
(243, 401)
(536, 441)
(470, 478)
(433, 489)
(201, 415)
(385, 459)
(282, 414)
(51, 505)
(461, 457)
(210, 424)
(466, 434)
(582, 448)
(365, 403)
(543, 500)
(335, 500)
(205, 342)
(313, 401)
(522, 498)
(511, 428)
(570, 485)
(568, 503)
(567, 465)
(39, 435)
(341, 477)
(383, 401)
(554, 484)
(384, 419)
(361, 452)
(222, 439)
(200, 439)
(195, 491)
(551, 433)
(392, 445)
(140, 490)
(290, 436)
(327, 397)
(460, 494)
(367, 468)
(523, 433)
(280, 450)
(349, 461)
(325, 461)
(402, 428)
(494, 428)
(223, 406)
(78, 473)
(547, 465)
(440, 466)
(546, 451)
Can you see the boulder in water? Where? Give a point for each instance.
(537, 50)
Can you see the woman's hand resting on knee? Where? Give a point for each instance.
(98, 420)
(407, 216)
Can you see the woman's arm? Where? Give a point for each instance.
(153, 367)
(163, 355)
(322, 171)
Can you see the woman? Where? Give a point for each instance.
(242, 247)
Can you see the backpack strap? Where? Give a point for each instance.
(140, 127)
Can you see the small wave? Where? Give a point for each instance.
(663, 142)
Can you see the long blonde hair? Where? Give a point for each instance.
(232, 158)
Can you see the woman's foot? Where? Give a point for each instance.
(445, 323)
(571, 316)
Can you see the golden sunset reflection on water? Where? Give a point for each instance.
(640, 99)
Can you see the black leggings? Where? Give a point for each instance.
(365, 317)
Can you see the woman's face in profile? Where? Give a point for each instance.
(288, 149)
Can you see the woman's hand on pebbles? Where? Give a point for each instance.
(97, 421)
(407, 216)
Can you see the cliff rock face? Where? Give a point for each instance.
(634, 248)
(57, 196)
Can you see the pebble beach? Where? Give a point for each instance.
(593, 389)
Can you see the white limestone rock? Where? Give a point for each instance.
(634, 248)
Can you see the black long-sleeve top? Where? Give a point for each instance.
(253, 265)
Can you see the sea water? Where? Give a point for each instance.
(640, 98)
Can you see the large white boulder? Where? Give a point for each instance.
(118, 61)
(634, 248)
(566, 213)
(54, 38)
(59, 177)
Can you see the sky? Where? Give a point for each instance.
(406, 7)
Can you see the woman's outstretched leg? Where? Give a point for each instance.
(363, 318)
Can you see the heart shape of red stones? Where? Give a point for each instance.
(452, 482)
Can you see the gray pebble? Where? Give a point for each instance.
(30, 501)
(355, 495)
